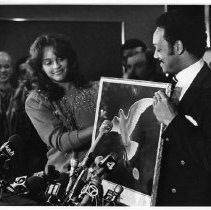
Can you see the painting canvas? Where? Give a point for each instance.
(135, 137)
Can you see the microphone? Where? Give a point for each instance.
(38, 183)
(105, 127)
(111, 197)
(79, 182)
(34, 186)
(56, 189)
(107, 164)
(87, 161)
(92, 192)
(52, 173)
(91, 170)
(73, 164)
(19, 185)
(7, 150)
(98, 159)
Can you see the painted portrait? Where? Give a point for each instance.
(135, 137)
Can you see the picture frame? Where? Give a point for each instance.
(135, 138)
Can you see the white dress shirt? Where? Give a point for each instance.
(186, 76)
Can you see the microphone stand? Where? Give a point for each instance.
(88, 159)
(92, 192)
(78, 184)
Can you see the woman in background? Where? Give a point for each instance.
(63, 108)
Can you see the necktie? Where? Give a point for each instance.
(173, 84)
(175, 91)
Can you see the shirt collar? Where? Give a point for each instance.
(187, 75)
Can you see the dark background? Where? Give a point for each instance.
(96, 31)
(96, 43)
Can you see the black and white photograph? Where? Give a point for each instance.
(105, 103)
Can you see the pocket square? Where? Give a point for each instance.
(191, 120)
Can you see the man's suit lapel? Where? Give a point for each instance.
(194, 90)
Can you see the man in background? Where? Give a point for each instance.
(138, 62)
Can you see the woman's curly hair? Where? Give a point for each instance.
(63, 49)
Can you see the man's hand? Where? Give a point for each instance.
(163, 108)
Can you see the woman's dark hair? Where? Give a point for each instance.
(184, 26)
(63, 49)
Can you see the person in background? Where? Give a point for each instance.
(207, 56)
(138, 62)
(6, 97)
(14, 121)
(185, 174)
(34, 149)
(62, 109)
(133, 49)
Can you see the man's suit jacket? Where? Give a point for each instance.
(185, 174)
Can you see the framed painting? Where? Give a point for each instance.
(135, 138)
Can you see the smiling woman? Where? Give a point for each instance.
(54, 67)
(63, 108)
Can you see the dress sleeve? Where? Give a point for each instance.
(49, 127)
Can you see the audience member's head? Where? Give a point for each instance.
(132, 47)
(179, 40)
(24, 73)
(21, 67)
(207, 56)
(137, 60)
(6, 69)
(49, 51)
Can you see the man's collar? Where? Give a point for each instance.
(189, 73)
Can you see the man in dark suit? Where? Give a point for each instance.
(185, 174)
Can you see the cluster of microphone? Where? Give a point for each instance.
(81, 186)
(85, 182)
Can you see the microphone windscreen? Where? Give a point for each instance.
(36, 187)
(52, 173)
(98, 159)
(63, 179)
(86, 200)
(36, 184)
(112, 157)
(13, 144)
(118, 189)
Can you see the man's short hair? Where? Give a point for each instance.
(133, 43)
(184, 26)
